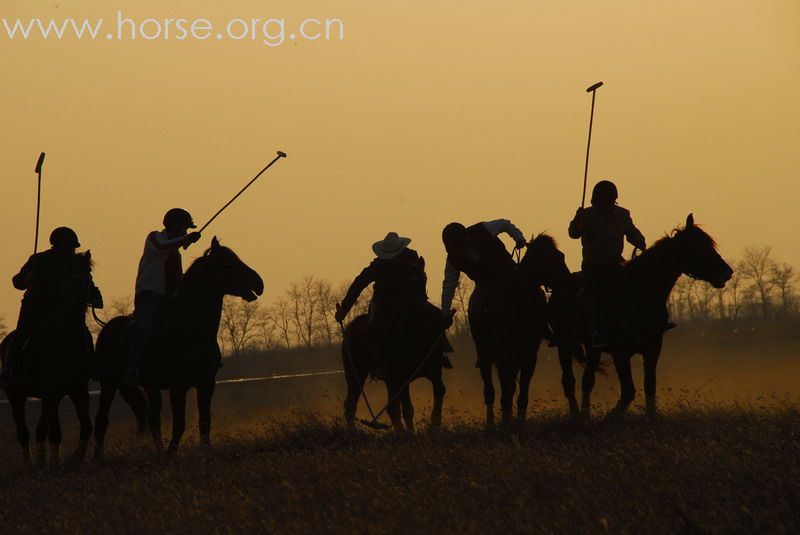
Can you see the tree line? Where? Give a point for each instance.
(762, 289)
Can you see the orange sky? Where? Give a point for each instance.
(427, 112)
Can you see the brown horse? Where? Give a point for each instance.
(517, 325)
(54, 363)
(415, 350)
(187, 356)
(637, 309)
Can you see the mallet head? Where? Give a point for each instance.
(39, 164)
(594, 87)
(281, 154)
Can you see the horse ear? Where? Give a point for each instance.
(214, 242)
(690, 220)
(88, 254)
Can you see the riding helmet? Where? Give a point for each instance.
(178, 217)
(64, 238)
(604, 192)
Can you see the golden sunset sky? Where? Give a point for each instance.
(427, 112)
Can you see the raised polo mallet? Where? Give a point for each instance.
(591, 89)
(38, 171)
(280, 155)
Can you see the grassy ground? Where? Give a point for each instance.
(721, 468)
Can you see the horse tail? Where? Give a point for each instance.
(109, 357)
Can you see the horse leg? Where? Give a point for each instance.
(204, 394)
(526, 374)
(488, 393)
(41, 434)
(438, 399)
(354, 378)
(587, 380)
(107, 392)
(408, 409)
(393, 408)
(650, 363)
(137, 401)
(568, 377)
(80, 399)
(154, 417)
(17, 403)
(622, 363)
(54, 428)
(177, 399)
(508, 386)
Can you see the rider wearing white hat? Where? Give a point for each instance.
(398, 274)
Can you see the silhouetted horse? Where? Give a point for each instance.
(187, 355)
(517, 324)
(637, 308)
(55, 363)
(415, 351)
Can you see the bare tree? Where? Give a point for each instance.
(757, 266)
(239, 324)
(304, 308)
(734, 287)
(783, 276)
(281, 315)
(461, 300)
(326, 307)
(268, 331)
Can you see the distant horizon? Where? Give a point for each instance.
(406, 124)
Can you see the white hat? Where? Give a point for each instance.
(391, 246)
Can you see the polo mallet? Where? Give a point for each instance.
(280, 155)
(374, 423)
(592, 89)
(38, 171)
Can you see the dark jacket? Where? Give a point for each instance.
(399, 280)
(602, 231)
(491, 261)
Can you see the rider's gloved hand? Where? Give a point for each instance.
(521, 243)
(193, 237)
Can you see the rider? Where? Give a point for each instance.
(42, 279)
(160, 270)
(602, 228)
(478, 252)
(399, 292)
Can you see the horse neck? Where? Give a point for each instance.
(526, 276)
(199, 304)
(655, 273)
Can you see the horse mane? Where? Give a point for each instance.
(543, 239)
(198, 269)
(655, 252)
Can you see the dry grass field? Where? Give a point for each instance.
(723, 458)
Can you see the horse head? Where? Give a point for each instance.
(699, 258)
(78, 282)
(229, 274)
(544, 262)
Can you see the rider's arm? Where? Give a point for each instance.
(633, 235)
(498, 226)
(576, 225)
(23, 279)
(162, 243)
(449, 285)
(364, 279)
